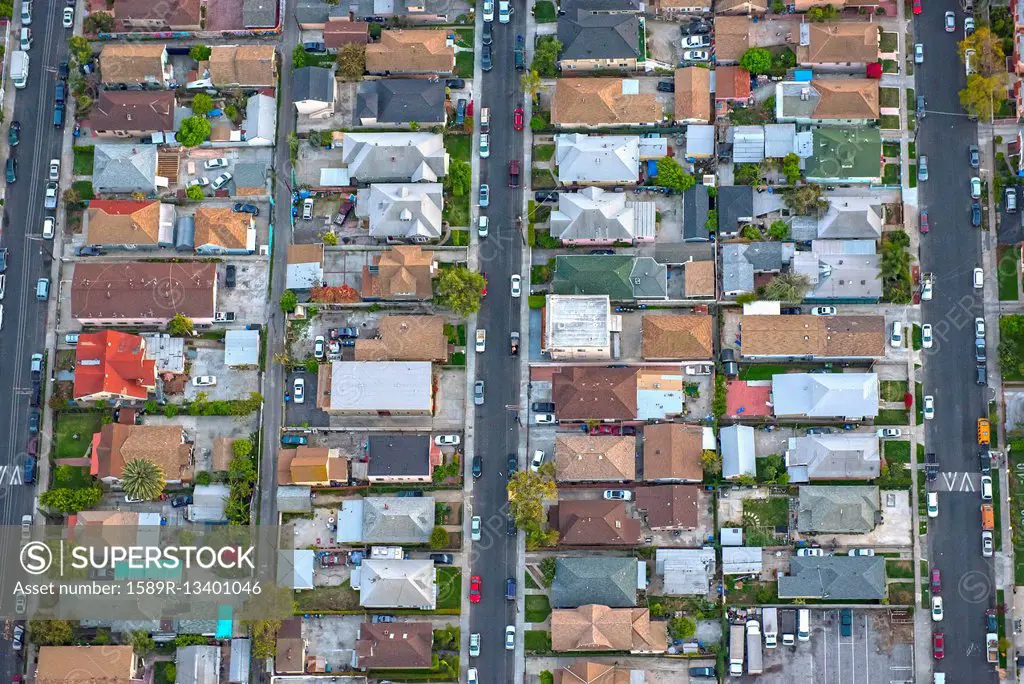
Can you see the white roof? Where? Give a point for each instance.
(402, 210)
(381, 386)
(585, 158)
(741, 560)
(825, 395)
(334, 178)
(304, 276)
(700, 141)
(398, 584)
(242, 348)
(685, 571)
(578, 321)
(737, 446)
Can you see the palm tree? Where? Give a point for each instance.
(142, 479)
(530, 82)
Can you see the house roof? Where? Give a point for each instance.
(132, 62)
(602, 101)
(197, 664)
(398, 455)
(825, 395)
(309, 465)
(247, 65)
(85, 665)
(405, 338)
(852, 456)
(845, 152)
(837, 509)
(591, 392)
(339, 32)
(744, 6)
(161, 445)
(588, 33)
(374, 386)
(398, 584)
(620, 276)
(740, 560)
(124, 168)
(172, 14)
(693, 94)
(829, 99)
(290, 647)
(222, 227)
(677, 337)
(851, 218)
(605, 580)
(577, 322)
(394, 645)
(313, 84)
(818, 336)
(399, 156)
(259, 13)
(696, 208)
(404, 271)
(731, 83)
(595, 214)
(131, 110)
(411, 51)
(583, 458)
(597, 158)
(113, 362)
(596, 523)
(672, 451)
(600, 628)
(699, 279)
(844, 42)
(398, 520)
(402, 210)
(835, 578)
(736, 443)
(686, 572)
(132, 290)
(123, 222)
(735, 205)
(589, 672)
(670, 505)
(732, 36)
(401, 100)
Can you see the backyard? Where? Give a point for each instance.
(72, 433)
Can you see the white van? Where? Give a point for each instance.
(26, 39)
(803, 624)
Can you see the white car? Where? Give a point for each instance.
(481, 227)
(447, 440)
(510, 638)
(474, 645)
(488, 10)
(69, 17)
(538, 459)
(824, 311)
(130, 499)
(48, 227)
(927, 341)
(986, 487)
(617, 495)
(804, 552)
(975, 187)
(896, 336)
(299, 390)
(697, 41)
(926, 291)
(889, 432)
(517, 283)
(919, 53)
(936, 608)
(3, 285)
(216, 163)
(200, 182)
(485, 145)
(987, 547)
(933, 504)
(929, 407)
(950, 22)
(481, 341)
(26, 528)
(307, 209)
(222, 180)
(50, 201)
(319, 347)
(471, 676)
(55, 169)
(979, 279)
(696, 56)
(505, 11)
(861, 552)
(204, 381)
(968, 27)
(474, 528)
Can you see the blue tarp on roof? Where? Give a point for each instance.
(652, 168)
(803, 75)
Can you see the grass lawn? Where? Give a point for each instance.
(891, 174)
(541, 179)
(342, 597)
(919, 402)
(538, 607)
(543, 152)
(449, 588)
(464, 64)
(72, 477)
(460, 238)
(529, 582)
(72, 433)
(746, 593)
(896, 474)
(901, 594)
(912, 149)
(890, 149)
(897, 451)
(889, 66)
(771, 512)
(1016, 506)
(916, 337)
(1006, 274)
(892, 390)
(887, 42)
(84, 189)
(459, 146)
(765, 371)
(464, 37)
(912, 181)
(911, 100)
(537, 640)
(892, 417)
(456, 210)
(888, 97)
(162, 672)
(544, 12)
(891, 122)
(83, 160)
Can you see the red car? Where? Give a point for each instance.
(939, 645)
(917, 6)
(517, 119)
(483, 292)
(606, 430)
(474, 589)
(936, 581)
(923, 227)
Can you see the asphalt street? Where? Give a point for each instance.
(951, 251)
(24, 322)
(497, 432)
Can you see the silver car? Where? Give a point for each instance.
(50, 202)
(478, 393)
(922, 168)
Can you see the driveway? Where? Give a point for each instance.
(232, 383)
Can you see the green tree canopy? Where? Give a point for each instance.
(194, 193)
(459, 289)
(779, 230)
(787, 287)
(194, 131)
(289, 301)
(202, 104)
(142, 479)
(791, 168)
(527, 491)
(672, 175)
(51, 632)
(988, 57)
(98, 22)
(822, 13)
(545, 57)
(352, 61)
(983, 95)
(438, 538)
(181, 326)
(459, 178)
(68, 501)
(80, 49)
(806, 200)
(200, 53)
(757, 60)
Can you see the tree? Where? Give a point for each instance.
(142, 479)
(202, 477)
(682, 628)
(185, 640)
(202, 104)
(983, 95)
(99, 22)
(895, 267)
(530, 83)
(791, 168)
(438, 538)
(352, 61)
(988, 57)
(527, 491)
(330, 238)
(751, 232)
(264, 638)
(545, 57)
(194, 131)
(300, 58)
(548, 565)
(142, 642)
(200, 53)
(787, 287)
(242, 448)
(822, 13)
(711, 462)
(83, 103)
(375, 29)
(181, 326)
(70, 501)
(806, 200)
(779, 230)
(671, 175)
(289, 301)
(242, 469)
(747, 174)
(757, 60)
(51, 632)
(80, 49)
(459, 289)
(194, 193)
(460, 177)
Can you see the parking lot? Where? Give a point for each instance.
(232, 383)
(193, 166)
(248, 298)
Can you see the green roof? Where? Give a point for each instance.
(845, 154)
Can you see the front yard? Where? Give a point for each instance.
(72, 433)
(538, 608)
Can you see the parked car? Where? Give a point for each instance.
(618, 495)
(922, 167)
(542, 407)
(307, 209)
(809, 551)
(314, 46)
(447, 440)
(937, 612)
(242, 208)
(978, 279)
(33, 421)
(181, 501)
(383, 619)
(791, 311)
(939, 645)
(824, 311)
(71, 339)
(486, 60)
(889, 433)
(200, 182)
(18, 638)
(546, 196)
(485, 194)
(918, 53)
(50, 201)
(705, 672)
(666, 87)
(986, 544)
(204, 381)
(696, 56)
(975, 215)
(455, 83)
(478, 392)
(442, 558)
(299, 390)
(860, 552)
(936, 581)
(215, 163)
(929, 407)
(975, 156)
(510, 638)
(478, 465)
(474, 528)
(474, 588)
(516, 285)
(29, 466)
(319, 347)
(14, 134)
(846, 622)
(950, 22)
(294, 440)
(517, 119)
(222, 180)
(975, 188)
(933, 504)
(474, 645)
(511, 465)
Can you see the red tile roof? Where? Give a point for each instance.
(748, 399)
(732, 83)
(113, 363)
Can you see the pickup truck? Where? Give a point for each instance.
(992, 647)
(513, 173)
(514, 343)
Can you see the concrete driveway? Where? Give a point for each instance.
(232, 383)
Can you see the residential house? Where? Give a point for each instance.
(740, 560)
(604, 580)
(594, 458)
(734, 205)
(117, 445)
(295, 568)
(219, 230)
(828, 102)
(620, 276)
(844, 45)
(315, 92)
(305, 267)
(373, 388)
(836, 579)
(209, 505)
(313, 467)
(578, 327)
(845, 155)
(747, 144)
(129, 224)
(699, 279)
(600, 102)
(405, 338)
(197, 664)
(670, 506)
(239, 658)
(843, 270)
(401, 458)
(259, 127)
(669, 337)
(781, 140)
(740, 7)
(600, 35)
(398, 584)
(685, 572)
(250, 179)
(848, 218)
(136, 64)
(696, 212)
(243, 66)
(597, 159)
(595, 522)
(838, 338)
(112, 365)
(403, 273)
(659, 393)
(693, 95)
(852, 456)
(124, 168)
(314, 15)
(132, 113)
(402, 211)
(736, 444)
(594, 216)
(672, 453)
(143, 294)
(395, 645)
(741, 261)
(850, 396)
(385, 520)
(257, 14)
(401, 102)
(732, 85)
(600, 628)
(594, 393)
(339, 32)
(420, 51)
(837, 509)
(395, 157)
(290, 654)
(242, 348)
(148, 17)
(732, 33)
(88, 665)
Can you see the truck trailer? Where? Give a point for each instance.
(754, 662)
(771, 627)
(19, 68)
(736, 638)
(787, 626)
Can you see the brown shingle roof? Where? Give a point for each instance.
(699, 278)
(846, 42)
(732, 83)
(403, 272)
(411, 51)
(306, 254)
(405, 338)
(732, 37)
(222, 454)
(176, 13)
(223, 227)
(847, 98)
(123, 222)
(679, 4)
(134, 290)
(672, 452)
(590, 392)
(597, 101)
(596, 523)
(159, 444)
(670, 505)
(693, 94)
(291, 649)
(600, 628)
(594, 458)
(677, 337)
(740, 7)
(588, 672)
(86, 665)
(131, 62)
(247, 65)
(339, 32)
(394, 645)
(131, 110)
(831, 336)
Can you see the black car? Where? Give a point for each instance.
(14, 134)
(89, 250)
(792, 311)
(60, 92)
(58, 115)
(602, 251)
(455, 83)
(981, 375)
(702, 672)
(314, 46)
(37, 395)
(488, 32)
(510, 526)
(542, 407)
(411, 493)
(181, 501)
(442, 558)
(486, 62)
(984, 463)
(242, 208)
(666, 87)
(229, 276)
(63, 69)
(348, 332)
(33, 421)
(512, 464)
(546, 195)
(478, 465)
(975, 214)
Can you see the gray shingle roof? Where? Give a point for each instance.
(608, 581)
(838, 510)
(588, 31)
(695, 214)
(833, 457)
(401, 100)
(313, 83)
(836, 578)
(825, 395)
(124, 168)
(735, 205)
(259, 13)
(197, 665)
(397, 520)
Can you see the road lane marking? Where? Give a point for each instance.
(957, 482)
